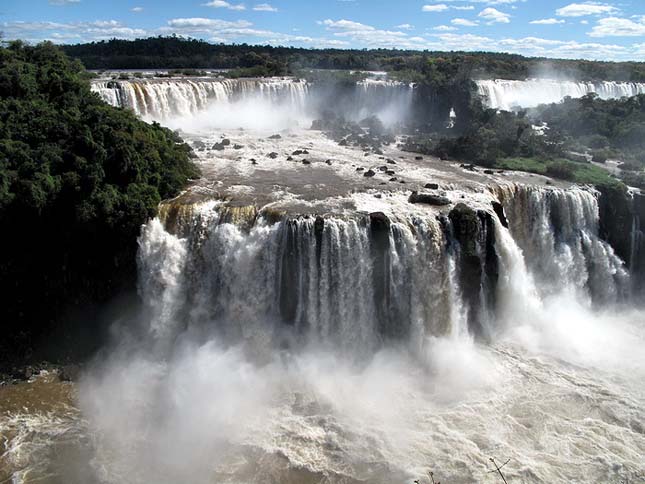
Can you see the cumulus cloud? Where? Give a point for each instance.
(265, 7)
(585, 8)
(136, 9)
(405, 27)
(494, 16)
(444, 28)
(547, 21)
(618, 27)
(224, 4)
(462, 22)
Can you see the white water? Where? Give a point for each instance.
(254, 103)
(559, 390)
(286, 352)
(507, 94)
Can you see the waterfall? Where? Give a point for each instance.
(162, 99)
(506, 94)
(358, 283)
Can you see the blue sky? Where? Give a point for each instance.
(612, 30)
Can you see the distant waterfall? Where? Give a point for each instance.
(165, 99)
(506, 94)
(160, 99)
(357, 283)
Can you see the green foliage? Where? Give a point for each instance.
(178, 53)
(77, 180)
(560, 168)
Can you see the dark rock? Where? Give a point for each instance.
(360, 168)
(342, 142)
(382, 168)
(218, 147)
(200, 145)
(328, 162)
(489, 172)
(499, 211)
(300, 152)
(393, 179)
(383, 183)
(418, 158)
(23, 373)
(273, 155)
(289, 158)
(225, 142)
(237, 147)
(369, 173)
(389, 172)
(402, 181)
(431, 186)
(275, 136)
(429, 199)
(391, 161)
(69, 373)
(306, 162)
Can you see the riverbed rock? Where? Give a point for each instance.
(369, 173)
(429, 199)
(431, 186)
(69, 373)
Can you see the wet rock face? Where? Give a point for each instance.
(621, 224)
(478, 264)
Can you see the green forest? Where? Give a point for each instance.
(181, 53)
(77, 180)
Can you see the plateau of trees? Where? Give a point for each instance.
(77, 180)
(180, 53)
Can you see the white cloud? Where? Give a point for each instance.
(136, 9)
(466, 7)
(547, 21)
(463, 22)
(265, 7)
(585, 8)
(63, 2)
(343, 24)
(584, 22)
(494, 16)
(199, 24)
(440, 7)
(405, 27)
(444, 28)
(617, 27)
(488, 2)
(224, 4)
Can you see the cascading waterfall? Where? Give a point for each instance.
(357, 283)
(166, 99)
(162, 99)
(506, 94)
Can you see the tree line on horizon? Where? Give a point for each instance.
(175, 52)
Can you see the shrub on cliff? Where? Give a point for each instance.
(77, 180)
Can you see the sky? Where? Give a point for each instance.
(612, 30)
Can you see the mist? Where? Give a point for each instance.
(195, 404)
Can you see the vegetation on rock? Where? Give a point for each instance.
(77, 180)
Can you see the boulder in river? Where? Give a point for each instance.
(429, 199)
(369, 173)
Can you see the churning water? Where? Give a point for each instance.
(345, 335)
